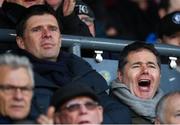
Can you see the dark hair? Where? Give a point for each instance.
(31, 11)
(72, 90)
(136, 46)
(164, 4)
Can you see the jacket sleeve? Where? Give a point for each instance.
(82, 71)
(72, 25)
(114, 111)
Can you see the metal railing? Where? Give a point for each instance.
(75, 43)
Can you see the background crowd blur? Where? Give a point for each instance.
(144, 21)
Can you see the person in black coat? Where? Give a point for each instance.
(68, 18)
(11, 12)
(41, 42)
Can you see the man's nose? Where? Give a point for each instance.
(18, 94)
(83, 109)
(46, 32)
(144, 69)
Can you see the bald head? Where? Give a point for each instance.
(168, 109)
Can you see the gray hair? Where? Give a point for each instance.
(161, 106)
(15, 61)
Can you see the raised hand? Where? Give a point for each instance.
(68, 7)
(48, 118)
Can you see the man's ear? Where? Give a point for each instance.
(20, 42)
(120, 75)
(100, 113)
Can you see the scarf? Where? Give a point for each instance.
(145, 108)
(57, 72)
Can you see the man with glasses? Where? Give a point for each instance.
(16, 88)
(74, 105)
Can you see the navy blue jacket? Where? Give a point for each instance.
(49, 76)
(5, 120)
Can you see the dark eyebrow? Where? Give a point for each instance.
(177, 112)
(151, 63)
(139, 63)
(36, 27)
(52, 25)
(136, 63)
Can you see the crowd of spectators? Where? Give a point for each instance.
(133, 96)
(131, 19)
(124, 19)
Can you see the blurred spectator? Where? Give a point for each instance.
(74, 105)
(168, 6)
(1, 2)
(69, 20)
(40, 41)
(98, 7)
(167, 110)
(133, 21)
(138, 81)
(16, 88)
(164, 7)
(11, 11)
(86, 15)
(26, 3)
(55, 3)
(169, 31)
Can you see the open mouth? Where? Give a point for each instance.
(84, 122)
(144, 84)
(29, 0)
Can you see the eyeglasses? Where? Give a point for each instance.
(77, 107)
(9, 89)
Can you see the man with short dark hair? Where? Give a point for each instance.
(138, 81)
(39, 38)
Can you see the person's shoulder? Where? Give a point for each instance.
(5, 22)
(69, 56)
(138, 119)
